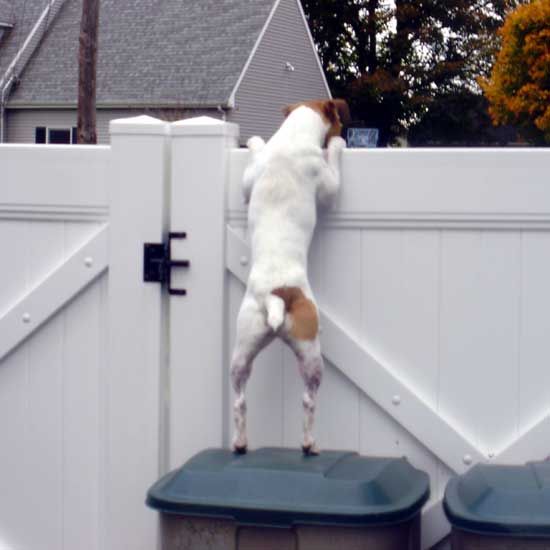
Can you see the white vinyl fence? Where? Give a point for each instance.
(431, 272)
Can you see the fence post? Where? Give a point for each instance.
(137, 342)
(198, 355)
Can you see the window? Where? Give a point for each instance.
(40, 135)
(54, 135)
(59, 135)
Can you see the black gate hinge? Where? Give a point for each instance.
(158, 263)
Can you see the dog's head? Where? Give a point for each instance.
(335, 112)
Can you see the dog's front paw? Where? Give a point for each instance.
(336, 145)
(255, 144)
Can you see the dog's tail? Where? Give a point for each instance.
(275, 311)
(301, 310)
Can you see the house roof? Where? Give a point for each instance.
(6, 13)
(24, 15)
(150, 52)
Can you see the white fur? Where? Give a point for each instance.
(285, 179)
(275, 312)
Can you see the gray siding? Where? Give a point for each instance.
(267, 85)
(21, 123)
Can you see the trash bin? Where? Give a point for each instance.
(500, 507)
(275, 498)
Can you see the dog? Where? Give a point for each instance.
(285, 180)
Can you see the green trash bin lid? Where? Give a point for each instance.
(501, 500)
(274, 486)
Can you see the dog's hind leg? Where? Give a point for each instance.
(310, 364)
(253, 334)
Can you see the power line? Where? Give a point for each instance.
(44, 27)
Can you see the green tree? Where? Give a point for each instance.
(398, 63)
(459, 119)
(519, 87)
(346, 34)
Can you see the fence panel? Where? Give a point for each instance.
(53, 312)
(82, 353)
(431, 266)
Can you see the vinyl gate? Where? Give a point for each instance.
(432, 273)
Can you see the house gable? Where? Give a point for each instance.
(283, 68)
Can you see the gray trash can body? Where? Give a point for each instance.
(495, 507)
(277, 498)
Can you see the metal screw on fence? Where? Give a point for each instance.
(26, 318)
(88, 262)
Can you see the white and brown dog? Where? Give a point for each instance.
(285, 179)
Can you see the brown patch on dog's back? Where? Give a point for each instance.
(305, 322)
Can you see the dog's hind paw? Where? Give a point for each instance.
(238, 450)
(310, 450)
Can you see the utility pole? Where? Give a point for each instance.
(87, 64)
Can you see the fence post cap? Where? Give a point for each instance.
(142, 125)
(204, 126)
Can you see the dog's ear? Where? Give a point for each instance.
(337, 111)
(343, 111)
(330, 111)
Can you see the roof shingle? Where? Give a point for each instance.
(24, 16)
(6, 13)
(150, 52)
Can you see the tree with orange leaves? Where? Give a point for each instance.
(519, 87)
